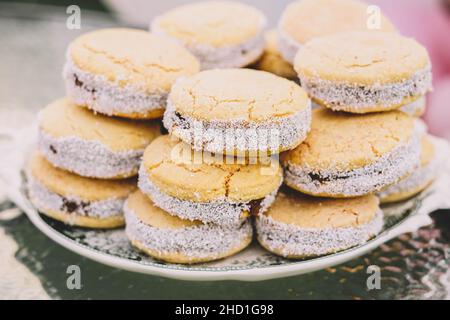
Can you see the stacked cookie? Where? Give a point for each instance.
(219, 165)
(200, 186)
(91, 142)
(367, 87)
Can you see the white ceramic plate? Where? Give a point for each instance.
(253, 264)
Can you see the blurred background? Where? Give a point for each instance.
(34, 36)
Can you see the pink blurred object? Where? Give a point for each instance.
(428, 21)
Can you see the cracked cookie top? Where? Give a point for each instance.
(305, 20)
(69, 185)
(63, 119)
(341, 142)
(201, 177)
(132, 57)
(237, 94)
(293, 208)
(362, 58)
(214, 23)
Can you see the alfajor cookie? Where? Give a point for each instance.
(76, 200)
(419, 179)
(298, 226)
(174, 240)
(238, 111)
(349, 155)
(125, 72)
(305, 20)
(272, 61)
(364, 72)
(92, 145)
(194, 186)
(221, 34)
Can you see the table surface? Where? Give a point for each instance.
(33, 41)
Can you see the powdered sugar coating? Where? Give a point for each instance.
(106, 97)
(211, 57)
(222, 212)
(239, 136)
(293, 241)
(352, 97)
(388, 169)
(197, 242)
(88, 158)
(422, 176)
(288, 47)
(44, 199)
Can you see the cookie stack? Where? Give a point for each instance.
(209, 175)
(90, 143)
(235, 135)
(367, 87)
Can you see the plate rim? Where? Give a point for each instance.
(409, 224)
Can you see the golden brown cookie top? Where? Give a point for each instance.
(64, 119)
(213, 23)
(365, 58)
(237, 94)
(341, 141)
(272, 61)
(132, 57)
(153, 216)
(303, 211)
(305, 20)
(182, 173)
(67, 184)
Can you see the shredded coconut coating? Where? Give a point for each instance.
(288, 47)
(388, 169)
(107, 97)
(44, 199)
(422, 176)
(295, 242)
(239, 136)
(211, 57)
(342, 96)
(222, 212)
(88, 158)
(202, 241)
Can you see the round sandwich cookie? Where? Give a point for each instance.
(194, 186)
(174, 240)
(272, 61)
(92, 145)
(238, 111)
(221, 34)
(299, 226)
(363, 72)
(349, 155)
(305, 20)
(415, 108)
(75, 200)
(125, 72)
(419, 179)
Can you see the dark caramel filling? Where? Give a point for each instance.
(72, 206)
(181, 121)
